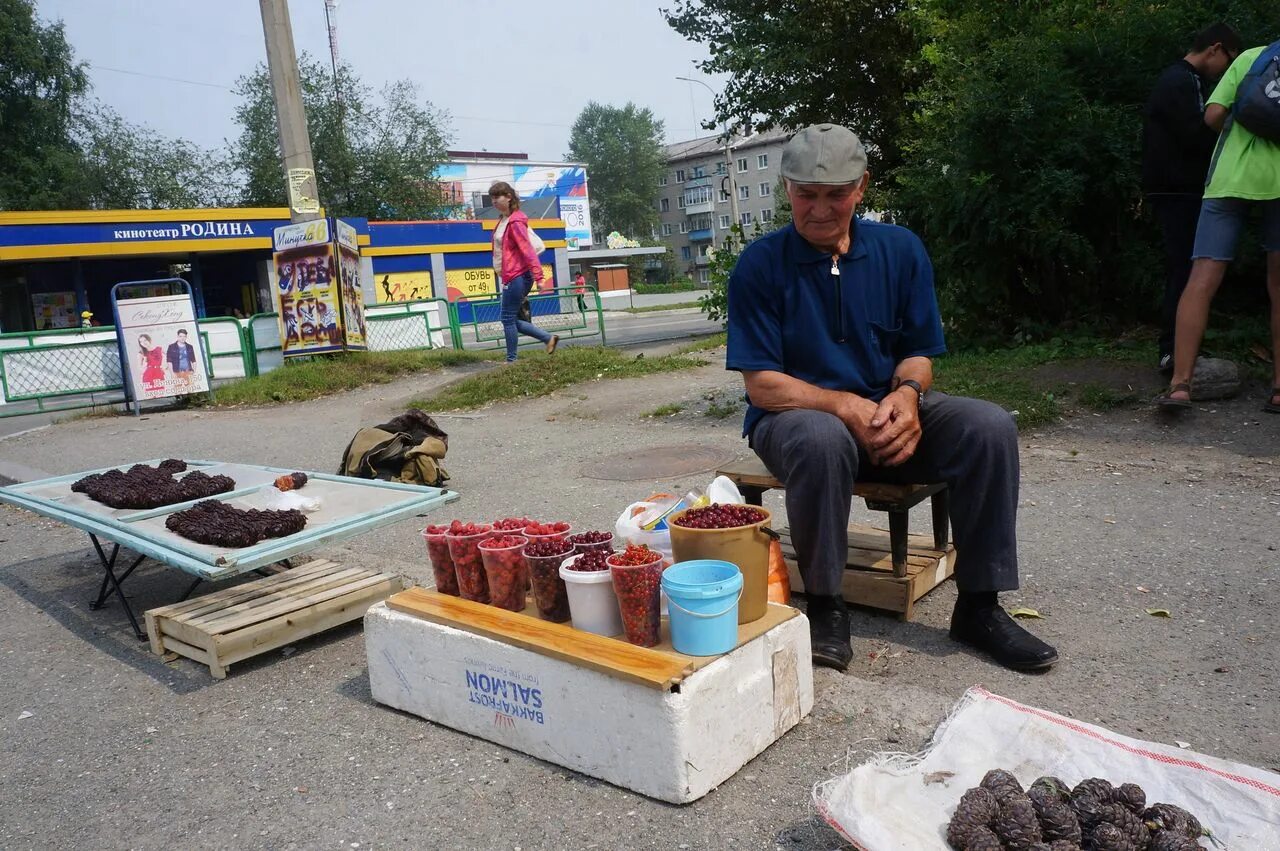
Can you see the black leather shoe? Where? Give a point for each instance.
(992, 631)
(829, 632)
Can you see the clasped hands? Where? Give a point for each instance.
(888, 431)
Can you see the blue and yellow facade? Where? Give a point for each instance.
(55, 264)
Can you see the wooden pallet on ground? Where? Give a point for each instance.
(246, 620)
(869, 578)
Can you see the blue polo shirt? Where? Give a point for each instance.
(788, 311)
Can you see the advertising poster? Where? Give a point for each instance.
(474, 284)
(160, 346)
(308, 301)
(54, 310)
(462, 184)
(402, 286)
(351, 295)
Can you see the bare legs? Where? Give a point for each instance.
(1273, 290)
(1193, 316)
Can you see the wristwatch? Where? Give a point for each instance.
(914, 385)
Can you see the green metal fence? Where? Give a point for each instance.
(556, 311)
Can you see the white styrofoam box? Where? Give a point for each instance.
(673, 745)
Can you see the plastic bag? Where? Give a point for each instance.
(628, 531)
(779, 577)
(896, 801)
(277, 500)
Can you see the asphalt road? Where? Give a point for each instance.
(1119, 512)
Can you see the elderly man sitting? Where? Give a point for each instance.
(832, 323)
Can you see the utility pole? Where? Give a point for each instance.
(291, 118)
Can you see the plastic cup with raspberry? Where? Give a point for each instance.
(585, 542)
(556, 531)
(637, 580)
(512, 524)
(441, 562)
(464, 548)
(506, 570)
(549, 591)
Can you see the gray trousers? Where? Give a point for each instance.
(970, 444)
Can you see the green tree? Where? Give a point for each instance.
(1022, 153)
(622, 149)
(374, 156)
(41, 85)
(809, 61)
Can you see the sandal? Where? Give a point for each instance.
(1166, 400)
(1272, 406)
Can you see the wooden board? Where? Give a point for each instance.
(659, 667)
(237, 623)
(752, 472)
(868, 577)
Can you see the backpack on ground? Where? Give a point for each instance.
(1257, 104)
(407, 449)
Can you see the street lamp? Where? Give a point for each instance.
(728, 156)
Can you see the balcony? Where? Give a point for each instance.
(701, 235)
(697, 197)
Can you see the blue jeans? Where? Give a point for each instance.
(512, 295)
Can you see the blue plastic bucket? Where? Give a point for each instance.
(703, 596)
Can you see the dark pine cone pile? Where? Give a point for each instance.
(221, 525)
(151, 487)
(998, 815)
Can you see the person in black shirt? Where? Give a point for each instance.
(1176, 148)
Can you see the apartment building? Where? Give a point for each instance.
(695, 210)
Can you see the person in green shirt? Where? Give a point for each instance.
(1245, 173)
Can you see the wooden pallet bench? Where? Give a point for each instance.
(885, 570)
(246, 620)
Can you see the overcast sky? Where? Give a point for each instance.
(562, 54)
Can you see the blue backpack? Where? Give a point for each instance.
(1257, 103)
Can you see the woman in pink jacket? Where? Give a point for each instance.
(517, 266)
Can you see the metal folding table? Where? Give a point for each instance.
(349, 507)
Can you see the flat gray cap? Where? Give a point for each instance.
(824, 153)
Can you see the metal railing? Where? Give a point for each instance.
(558, 311)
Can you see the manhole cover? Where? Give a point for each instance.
(658, 462)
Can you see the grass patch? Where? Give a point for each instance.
(298, 381)
(536, 374)
(704, 344)
(1001, 375)
(666, 410)
(652, 307)
(720, 411)
(663, 289)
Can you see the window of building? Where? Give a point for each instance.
(680, 201)
(698, 171)
(746, 219)
(685, 253)
(766, 215)
(744, 192)
(679, 175)
(665, 205)
(724, 223)
(720, 169)
(762, 161)
(684, 227)
(666, 228)
(662, 181)
(724, 195)
(704, 276)
(742, 164)
(766, 188)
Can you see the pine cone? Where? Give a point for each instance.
(1063, 845)
(982, 839)
(1017, 825)
(1135, 832)
(1108, 837)
(1171, 817)
(1131, 796)
(1001, 783)
(1086, 808)
(977, 809)
(1171, 840)
(1057, 820)
(1095, 787)
(1049, 788)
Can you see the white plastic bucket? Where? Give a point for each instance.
(593, 606)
